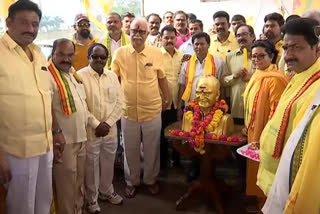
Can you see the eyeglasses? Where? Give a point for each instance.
(84, 25)
(258, 57)
(141, 32)
(316, 30)
(245, 34)
(95, 57)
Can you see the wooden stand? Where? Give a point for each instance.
(207, 183)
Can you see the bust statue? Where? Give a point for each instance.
(208, 105)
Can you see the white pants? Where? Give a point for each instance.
(101, 153)
(30, 189)
(131, 132)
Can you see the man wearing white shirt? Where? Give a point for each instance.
(195, 26)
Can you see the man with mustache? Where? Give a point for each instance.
(195, 26)
(82, 40)
(236, 75)
(104, 100)
(289, 144)
(172, 59)
(272, 31)
(70, 108)
(223, 42)
(29, 131)
(180, 24)
(168, 18)
(154, 22)
(140, 69)
(115, 37)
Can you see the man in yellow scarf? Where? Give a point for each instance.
(299, 175)
(201, 63)
(115, 38)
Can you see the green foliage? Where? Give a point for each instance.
(49, 23)
(123, 6)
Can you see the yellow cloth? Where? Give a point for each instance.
(209, 69)
(269, 165)
(279, 48)
(305, 191)
(234, 63)
(25, 101)
(74, 125)
(81, 54)
(139, 74)
(104, 98)
(172, 67)
(222, 49)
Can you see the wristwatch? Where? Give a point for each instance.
(56, 131)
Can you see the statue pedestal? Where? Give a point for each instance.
(207, 183)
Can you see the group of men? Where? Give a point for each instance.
(58, 122)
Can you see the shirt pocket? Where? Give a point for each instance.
(149, 73)
(111, 94)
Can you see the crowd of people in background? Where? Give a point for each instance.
(63, 119)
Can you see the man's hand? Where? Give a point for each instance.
(58, 146)
(5, 175)
(246, 77)
(165, 104)
(185, 58)
(102, 129)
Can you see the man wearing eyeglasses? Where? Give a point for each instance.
(104, 100)
(82, 40)
(139, 67)
(236, 75)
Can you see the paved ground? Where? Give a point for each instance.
(172, 187)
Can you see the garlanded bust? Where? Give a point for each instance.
(206, 115)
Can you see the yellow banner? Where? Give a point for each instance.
(97, 11)
(4, 5)
(300, 6)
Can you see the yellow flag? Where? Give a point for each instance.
(97, 11)
(4, 5)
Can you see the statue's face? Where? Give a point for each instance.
(207, 92)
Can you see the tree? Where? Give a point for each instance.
(123, 6)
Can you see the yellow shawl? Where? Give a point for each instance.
(209, 69)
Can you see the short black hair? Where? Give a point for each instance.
(153, 14)
(167, 12)
(197, 21)
(238, 17)
(59, 41)
(201, 35)
(127, 14)
(222, 14)
(180, 12)
(250, 28)
(191, 16)
(24, 5)
(169, 29)
(269, 47)
(303, 27)
(95, 45)
(292, 17)
(114, 14)
(274, 17)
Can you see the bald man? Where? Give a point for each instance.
(139, 67)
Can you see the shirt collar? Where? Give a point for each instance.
(163, 51)
(229, 39)
(132, 50)
(94, 73)
(12, 44)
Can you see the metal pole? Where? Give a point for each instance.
(142, 8)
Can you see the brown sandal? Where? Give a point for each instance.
(154, 189)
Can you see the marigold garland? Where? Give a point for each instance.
(201, 127)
